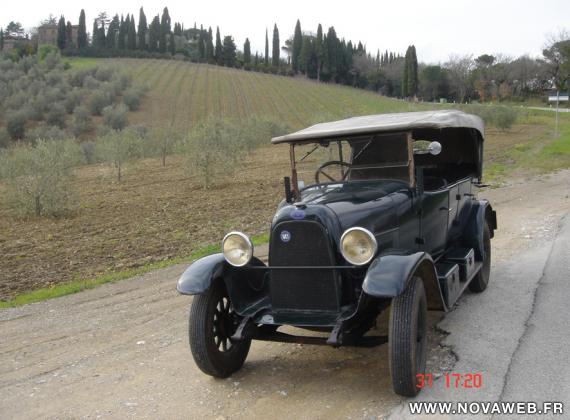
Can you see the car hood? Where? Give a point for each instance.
(370, 208)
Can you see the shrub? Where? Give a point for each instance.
(88, 149)
(46, 132)
(81, 120)
(90, 82)
(56, 115)
(4, 138)
(98, 101)
(39, 177)
(16, 124)
(505, 117)
(132, 98)
(46, 49)
(115, 116)
(104, 74)
(72, 100)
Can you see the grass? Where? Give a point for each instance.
(79, 285)
(80, 63)
(529, 148)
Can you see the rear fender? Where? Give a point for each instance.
(389, 274)
(481, 213)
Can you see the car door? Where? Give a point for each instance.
(435, 213)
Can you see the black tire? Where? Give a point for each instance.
(407, 338)
(212, 322)
(481, 279)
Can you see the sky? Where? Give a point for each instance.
(438, 28)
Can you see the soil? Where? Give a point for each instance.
(121, 350)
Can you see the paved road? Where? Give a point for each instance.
(517, 337)
(544, 108)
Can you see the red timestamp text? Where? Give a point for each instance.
(451, 380)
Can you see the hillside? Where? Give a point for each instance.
(159, 215)
(181, 93)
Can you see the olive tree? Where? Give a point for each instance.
(213, 149)
(117, 148)
(38, 178)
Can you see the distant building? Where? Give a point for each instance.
(11, 41)
(47, 34)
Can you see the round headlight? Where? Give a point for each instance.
(237, 249)
(358, 246)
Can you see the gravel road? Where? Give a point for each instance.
(121, 350)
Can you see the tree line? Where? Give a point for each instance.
(324, 56)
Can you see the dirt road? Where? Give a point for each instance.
(121, 350)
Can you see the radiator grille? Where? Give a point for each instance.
(302, 243)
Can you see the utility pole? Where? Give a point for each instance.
(556, 124)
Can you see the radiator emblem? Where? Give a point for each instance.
(298, 214)
(285, 236)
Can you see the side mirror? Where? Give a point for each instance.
(434, 148)
(422, 147)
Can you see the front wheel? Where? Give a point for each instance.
(407, 338)
(212, 323)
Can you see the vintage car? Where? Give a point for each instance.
(386, 219)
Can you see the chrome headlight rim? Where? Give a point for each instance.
(370, 236)
(249, 246)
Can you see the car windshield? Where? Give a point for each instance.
(356, 191)
(337, 163)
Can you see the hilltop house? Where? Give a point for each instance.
(47, 34)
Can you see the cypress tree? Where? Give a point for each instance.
(413, 73)
(210, 46)
(164, 30)
(142, 30)
(82, 32)
(61, 33)
(319, 51)
(246, 52)
(266, 48)
(171, 44)
(406, 75)
(122, 34)
(1, 39)
(102, 34)
(132, 35)
(229, 52)
(154, 33)
(256, 61)
(95, 37)
(113, 33)
(305, 56)
(202, 43)
(68, 35)
(218, 50)
(297, 45)
(275, 52)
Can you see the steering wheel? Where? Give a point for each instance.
(320, 170)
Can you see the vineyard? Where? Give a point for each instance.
(182, 93)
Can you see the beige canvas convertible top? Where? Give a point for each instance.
(385, 123)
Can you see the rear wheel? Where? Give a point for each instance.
(212, 323)
(407, 338)
(481, 279)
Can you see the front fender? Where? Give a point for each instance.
(198, 277)
(389, 274)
